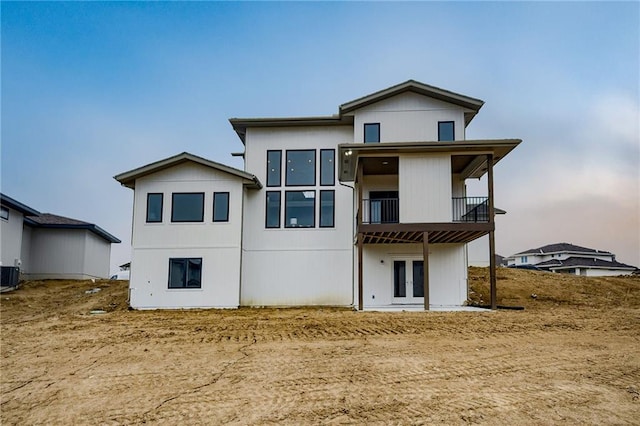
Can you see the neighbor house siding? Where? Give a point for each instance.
(11, 231)
(97, 254)
(58, 253)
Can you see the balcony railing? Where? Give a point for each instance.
(464, 209)
(470, 209)
(380, 211)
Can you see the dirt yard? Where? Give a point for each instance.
(572, 357)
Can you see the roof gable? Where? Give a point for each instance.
(473, 105)
(128, 179)
(48, 220)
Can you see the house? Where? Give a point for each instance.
(571, 259)
(366, 209)
(46, 246)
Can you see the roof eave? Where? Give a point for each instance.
(5, 200)
(240, 125)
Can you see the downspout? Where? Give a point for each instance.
(353, 274)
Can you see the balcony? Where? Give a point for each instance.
(464, 209)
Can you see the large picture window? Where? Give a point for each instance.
(274, 163)
(273, 209)
(185, 273)
(301, 168)
(187, 207)
(327, 209)
(327, 167)
(446, 131)
(220, 206)
(300, 207)
(371, 132)
(154, 208)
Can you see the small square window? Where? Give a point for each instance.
(446, 131)
(371, 132)
(154, 207)
(187, 207)
(4, 213)
(185, 273)
(221, 207)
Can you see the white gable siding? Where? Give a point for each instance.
(408, 117)
(296, 266)
(425, 188)
(218, 244)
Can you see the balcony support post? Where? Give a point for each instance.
(360, 278)
(425, 262)
(492, 241)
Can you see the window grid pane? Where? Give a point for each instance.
(221, 207)
(154, 207)
(273, 209)
(300, 207)
(327, 209)
(274, 164)
(301, 168)
(187, 207)
(327, 167)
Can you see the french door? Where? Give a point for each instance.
(408, 281)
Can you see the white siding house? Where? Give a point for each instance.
(366, 209)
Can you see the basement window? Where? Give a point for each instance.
(185, 273)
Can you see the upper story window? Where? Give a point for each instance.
(301, 167)
(274, 164)
(327, 209)
(221, 207)
(300, 209)
(371, 132)
(327, 167)
(273, 209)
(154, 207)
(4, 213)
(446, 131)
(187, 207)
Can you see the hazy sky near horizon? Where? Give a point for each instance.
(93, 89)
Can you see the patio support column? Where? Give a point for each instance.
(359, 236)
(425, 262)
(492, 241)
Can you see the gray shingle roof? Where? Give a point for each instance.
(561, 247)
(48, 220)
(589, 262)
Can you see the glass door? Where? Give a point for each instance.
(408, 281)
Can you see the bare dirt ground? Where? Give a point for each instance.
(571, 357)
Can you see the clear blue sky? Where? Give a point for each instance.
(90, 90)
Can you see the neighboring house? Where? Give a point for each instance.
(46, 246)
(367, 208)
(571, 259)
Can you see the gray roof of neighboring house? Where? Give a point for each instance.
(128, 179)
(7, 201)
(561, 247)
(48, 220)
(472, 106)
(589, 262)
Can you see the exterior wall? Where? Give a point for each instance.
(217, 243)
(447, 273)
(425, 188)
(97, 255)
(57, 254)
(11, 241)
(296, 266)
(378, 183)
(408, 117)
(601, 272)
(25, 254)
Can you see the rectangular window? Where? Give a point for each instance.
(273, 209)
(187, 207)
(327, 167)
(274, 163)
(327, 209)
(300, 209)
(399, 279)
(185, 273)
(446, 131)
(371, 132)
(154, 207)
(221, 207)
(523, 259)
(4, 213)
(301, 167)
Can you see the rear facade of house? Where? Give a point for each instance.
(366, 208)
